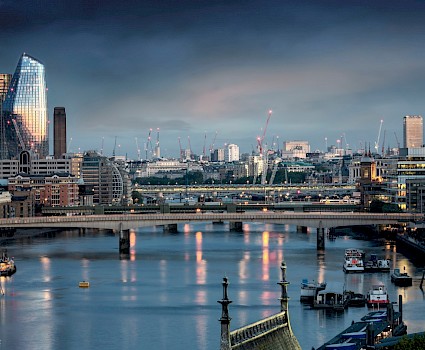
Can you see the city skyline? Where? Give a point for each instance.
(193, 68)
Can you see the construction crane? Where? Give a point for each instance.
(148, 143)
(379, 136)
(396, 138)
(261, 139)
(101, 149)
(383, 143)
(115, 146)
(190, 146)
(213, 143)
(138, 149)
(205, 140)
(157, 149)
(181, 149)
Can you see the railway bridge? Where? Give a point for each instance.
(124, 222)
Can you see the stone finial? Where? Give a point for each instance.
(284, 298)
(225, 318)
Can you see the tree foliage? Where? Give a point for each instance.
(415, 343)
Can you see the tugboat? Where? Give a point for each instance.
(378, 297)
(7, 265)
(309, 290)
(353, 261)
(401, 279)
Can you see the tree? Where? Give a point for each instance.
(415, 343)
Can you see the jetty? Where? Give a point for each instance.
(371, 330)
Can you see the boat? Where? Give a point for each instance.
(84, 284)
(353, 261)
(377, 265)
(7, 265)
(330, 300)
(309, 290)
(377, 297)
(355, 299)
(401, 279)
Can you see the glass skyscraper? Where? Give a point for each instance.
(25, 118)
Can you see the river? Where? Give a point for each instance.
(165, 296)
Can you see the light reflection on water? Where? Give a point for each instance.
(165, 296)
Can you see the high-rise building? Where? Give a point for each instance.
(231, 153)
(4, 84)
(412, 131)
(25, 110)
(59, 132)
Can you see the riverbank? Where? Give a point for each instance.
(5, 238)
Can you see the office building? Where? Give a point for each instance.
(4, 84)
(25, 110)
(231, 153)
(59, 132)
(412, 131)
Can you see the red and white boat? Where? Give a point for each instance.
(353, 261)
(378, 297)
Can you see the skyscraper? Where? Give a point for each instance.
(4, 86)
(25, 110)
(59, 132)
(413, 131)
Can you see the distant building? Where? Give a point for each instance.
(217, 155)
(59, 132)
(231, 153)
(4, 84)
(295, 149)
(25, 110)
(412, 131)
(109, 185)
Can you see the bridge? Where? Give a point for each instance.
(129, 221)
(124, 222)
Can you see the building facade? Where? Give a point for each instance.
(59, 132)
(231, 153)
(25, 110)
(412, 131)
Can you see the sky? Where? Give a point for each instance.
(210, 71)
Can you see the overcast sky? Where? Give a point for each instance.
(327, 69)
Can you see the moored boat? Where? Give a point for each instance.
(355, 299)
(377, 265)
(330, 300)
(309, 290)
(378, 297)
(353, 261)
(401, 279)
(7, 265)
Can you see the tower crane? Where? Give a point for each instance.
(213, 143)
(205, 140)
(190, 146)
(261, 139)
(138, 149)
(115, 146)
(396, 138)
(181, 149)
(379, 136)
(148, 143)
(383, 143)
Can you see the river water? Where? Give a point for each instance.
(165, 296)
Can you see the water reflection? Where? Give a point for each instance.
(132, 245)
(45, 265)
(201, 270)
(266, 261)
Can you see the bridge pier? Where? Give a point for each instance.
(320, 237)
(235, 226)
(170, 228)
(124, 243)
(302, 229)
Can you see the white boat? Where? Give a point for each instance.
(309, 290)
(7, 265)
(353, 261)
(378, 297)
